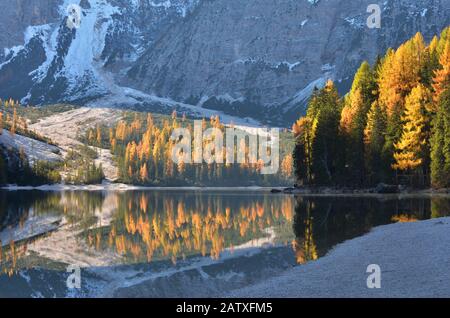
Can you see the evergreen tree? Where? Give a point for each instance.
(365, 81)
(303, 132)
(374, 140)
(325, 111)
(431, 63)
(443, 40)
(353, 122)
(440, 144)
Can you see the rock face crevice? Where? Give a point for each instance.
(252, 58)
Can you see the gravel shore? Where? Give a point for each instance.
(414, 259)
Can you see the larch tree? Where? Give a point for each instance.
(411, 151)
(14, 122)
(399, 75)
(99, 135)
(286, 166)
(441, 80)
(374, 140)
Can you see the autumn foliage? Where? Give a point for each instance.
(391, 127)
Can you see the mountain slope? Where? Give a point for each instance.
(244, 55)
(57, 63)
(253, 58)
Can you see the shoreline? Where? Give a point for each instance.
(303, 192)
(126, 187)
(413, 258)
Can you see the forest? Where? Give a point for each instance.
(392, 127)
(142, 144)
(15, 166)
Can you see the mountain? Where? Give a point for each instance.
(257, 59)
(60, 64)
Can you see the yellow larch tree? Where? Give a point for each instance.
(441, 80)
(14, 123)
(287, 166)
(411, 150)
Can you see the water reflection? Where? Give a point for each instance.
(134, 227)
(103, 229)
(321, 223)
(155, 225)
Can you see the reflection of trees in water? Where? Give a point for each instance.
(148, 226)
(440, 207)
(321, 223)
(159, 225)
(16, 207)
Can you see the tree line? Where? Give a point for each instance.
(143, 147)
(393, 126)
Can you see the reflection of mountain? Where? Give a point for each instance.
(157, 225)
(322, 223)
(152, 242)
(146, 226)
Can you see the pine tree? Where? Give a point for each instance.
(325, 111)
(440, 144)
(365, 81)
(411, 152)
(431, 63)
(374, 140)
(303, 132)
(352, 125)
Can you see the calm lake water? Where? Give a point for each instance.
(177, 243)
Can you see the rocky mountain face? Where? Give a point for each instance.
(56, 63)
(253, 58)
(17, 15)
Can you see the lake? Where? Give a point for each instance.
(178, 243)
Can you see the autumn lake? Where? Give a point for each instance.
(177, 243)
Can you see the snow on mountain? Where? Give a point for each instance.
(81, 64)
(257, 59)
